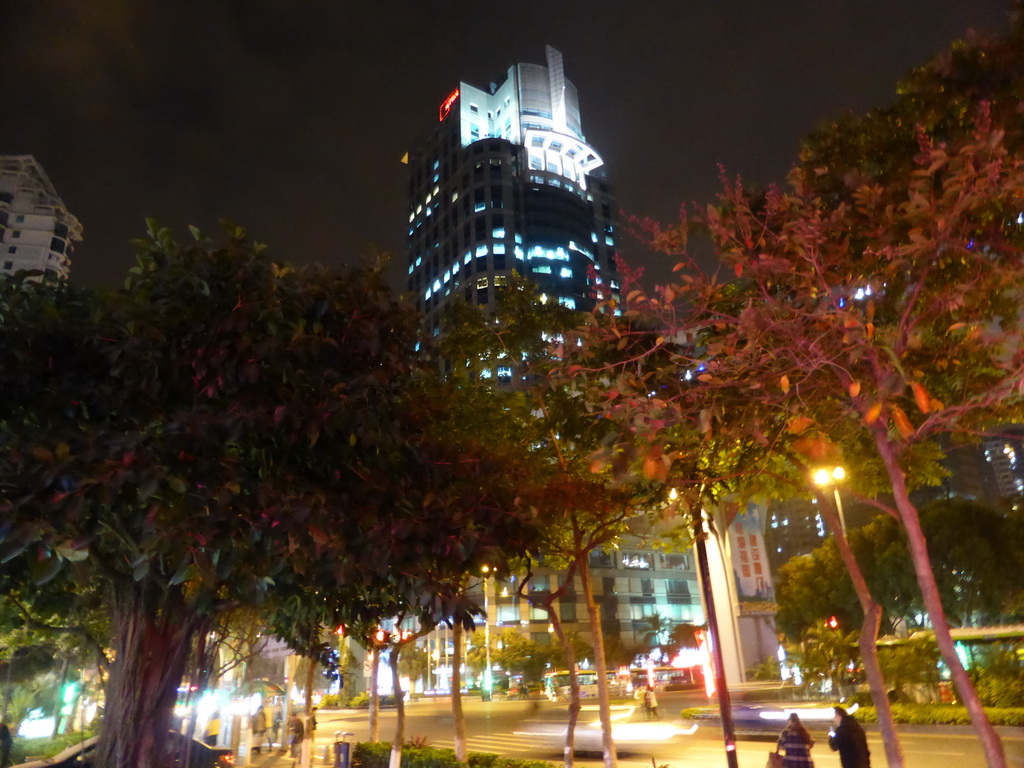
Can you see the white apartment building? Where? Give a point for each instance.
(37, 232)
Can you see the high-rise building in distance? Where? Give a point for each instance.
(37, 231)
(506, 181)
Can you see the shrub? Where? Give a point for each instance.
(359, 700)
(943, 714)
(45, 747)
(482, 759)
(1001, 682)
(332, 701)
(378, 755)
(367, 755)
(508, 762)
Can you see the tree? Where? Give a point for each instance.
(223, 428)
(588, 510)
(892, 313)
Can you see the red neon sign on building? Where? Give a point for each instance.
(446, 105)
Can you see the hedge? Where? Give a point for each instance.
(378, 755)
(908, 714)
(943, 714)
(23, 749)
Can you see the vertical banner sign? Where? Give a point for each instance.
(750, 562)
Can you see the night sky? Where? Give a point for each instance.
(291, 116)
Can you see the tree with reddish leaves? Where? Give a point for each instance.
(888, 319)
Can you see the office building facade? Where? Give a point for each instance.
(37, 232)
(506, 181)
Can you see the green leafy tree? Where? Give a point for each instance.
(588, 510)
(223, 430)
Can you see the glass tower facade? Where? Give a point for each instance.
(506, 181)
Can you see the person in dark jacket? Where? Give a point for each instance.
(6, 742)
(848, 739)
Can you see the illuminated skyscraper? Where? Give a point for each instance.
(506, 181)
(37, 231)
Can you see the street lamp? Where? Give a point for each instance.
(830, 478)
(486, 693)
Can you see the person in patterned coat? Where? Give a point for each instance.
(796, 742)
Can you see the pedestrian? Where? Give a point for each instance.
(796, 742)
(6, 742)
(848, 739)
(640, 696)
(212, 730)
(259, 729)
(296, 732)
(311, 727)
(652, 703)
(277, 729)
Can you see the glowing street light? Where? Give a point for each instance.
(486, 693)
(825, 477)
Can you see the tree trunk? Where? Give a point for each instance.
(310, 736)
(374, 696)
(868, 637)
(990, 740)
(569, 750)
(154, 636)
(458, 716)
(399, 739)
(611, 758)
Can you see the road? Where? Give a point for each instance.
(504, 727)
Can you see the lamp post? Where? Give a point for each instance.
(485, 692)
(700, 535)
(830, 478)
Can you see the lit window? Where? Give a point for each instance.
(428, 294)
(467, 257)
(455, 195)
(504, 374)
(609, 240)
(474, 108)
(500, 280)
(419, 260)
(437, 285)
(498, 248)
(481, 250)
(482, 282)
(519, 239)
(498, 232)
(519, 253)
(410, 269)
(542, 270)
(565, 272)
(565, 301)
(485, 373)
(447, 276)
(479, 207)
